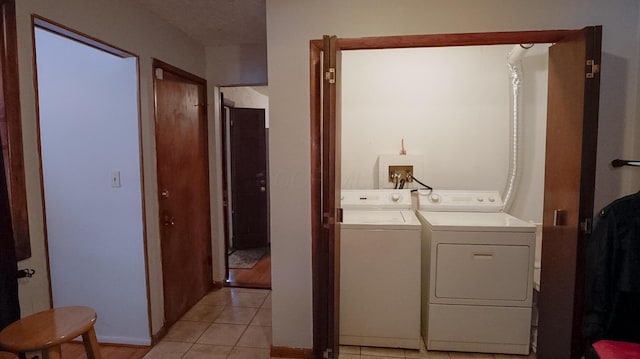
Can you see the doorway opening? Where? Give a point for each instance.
(245, 141)
(89, 141)
(573, 108)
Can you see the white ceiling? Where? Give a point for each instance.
(215, 22)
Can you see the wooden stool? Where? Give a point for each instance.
(46, 331)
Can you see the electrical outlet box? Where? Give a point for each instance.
(388, 165)
(403, 172)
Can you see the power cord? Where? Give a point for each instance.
(422, 184)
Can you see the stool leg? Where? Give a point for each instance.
(54, 352)
(91, 345)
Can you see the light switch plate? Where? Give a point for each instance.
(115, 179)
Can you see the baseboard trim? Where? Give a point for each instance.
(107, 344)
(217, 285)
(286, 352)
(155, 339)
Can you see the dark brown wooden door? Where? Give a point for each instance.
(183, 189)
(249, 187)
(8, 265)
(572, 129)
(11, 129)
(331, 132)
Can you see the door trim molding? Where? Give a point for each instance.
(180, 72)
(69, 33)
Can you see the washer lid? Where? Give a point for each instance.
(475, 221)
(380, 219)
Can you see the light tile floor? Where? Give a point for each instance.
(235, 323)
(354, 352)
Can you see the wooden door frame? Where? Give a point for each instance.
(227, 194)
(320, 254)
(71, 34)
(224, 104)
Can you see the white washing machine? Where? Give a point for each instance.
(379, 270)
(477, 270)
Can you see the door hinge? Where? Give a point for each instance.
(330, 75)
(340, 215)
(560, 217)
(327, 220)
(593, 70)
(586, 225)
(328, 353)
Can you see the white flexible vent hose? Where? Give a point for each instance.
(514, 60)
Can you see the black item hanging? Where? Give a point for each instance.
(612, 273)
(9, 304)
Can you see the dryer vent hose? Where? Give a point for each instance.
(514, 61)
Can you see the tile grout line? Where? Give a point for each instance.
(204, 331)
(235, 345)
(245, 329)
(226, 305)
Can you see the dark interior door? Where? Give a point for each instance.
(183, 185)
(572, 129)
(11, 129)
(249, 188)
(8, 266)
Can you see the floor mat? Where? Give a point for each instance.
(246, 258)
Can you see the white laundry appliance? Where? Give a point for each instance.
(477, 270)
(379, 269)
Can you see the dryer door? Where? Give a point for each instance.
(482, 274)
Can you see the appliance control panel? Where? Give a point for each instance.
(375, 199)
(459, 201)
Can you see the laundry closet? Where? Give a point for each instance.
(444, 115)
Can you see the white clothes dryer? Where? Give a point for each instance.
(477, 270)
(379, 270)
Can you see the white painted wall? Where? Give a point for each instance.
(452, 107)
(88, 103)
(237, 65)
(249, 97)
(292, 23)
(122, 24)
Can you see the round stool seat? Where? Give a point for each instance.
(47, 330)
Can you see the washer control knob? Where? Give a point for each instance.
(480, 199)
(395, 197)
(491, 199)
(434, 198)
